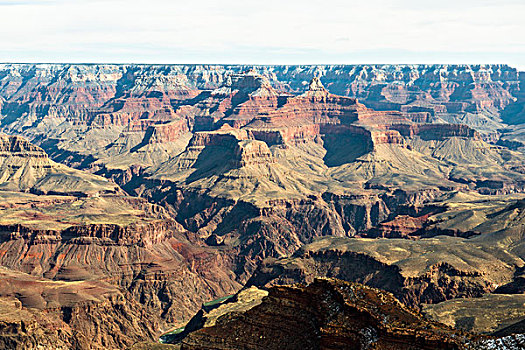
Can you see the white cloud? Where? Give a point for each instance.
(269, 31)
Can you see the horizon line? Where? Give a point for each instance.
(262, 64)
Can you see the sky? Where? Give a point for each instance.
(263, 32)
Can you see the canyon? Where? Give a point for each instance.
(145, 191)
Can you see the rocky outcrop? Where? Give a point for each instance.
(245, 171)
(18, 146)
(157, 273)
(134, 248)
(327, 314)
(435, 131)
(416, 271)
(252, 166)
(316, 85)
(252, 152)
(162, 133)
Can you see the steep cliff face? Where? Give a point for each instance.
(95, 270)
(319, 165)
(472, 93)
(112, 119)
(310, 165)
(447, 83)
(100, 272)
(431, 284)
(163, 133)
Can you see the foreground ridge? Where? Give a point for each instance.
(327, 314)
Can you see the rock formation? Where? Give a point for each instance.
(327, 314)
(26, 167)
(84, 268)
(67, 315)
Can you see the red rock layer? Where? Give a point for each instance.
(161, 133)
(435, 131)
(225, 137)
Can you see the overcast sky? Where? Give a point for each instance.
(269, 31)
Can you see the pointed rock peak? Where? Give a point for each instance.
(316, 85)
(316, 89)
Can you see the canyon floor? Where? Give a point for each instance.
(259, 207)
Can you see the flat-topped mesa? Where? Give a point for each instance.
(169, 132)
(369, 116)
(435, 131)
(296, 133)
(226, 136)
(301, 119)
(316, 107)
(396, 133)
(126, 111)
(244, 149)
(292, 135)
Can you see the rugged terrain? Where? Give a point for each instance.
(327, 314)
(176, 185)
(86, 266)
